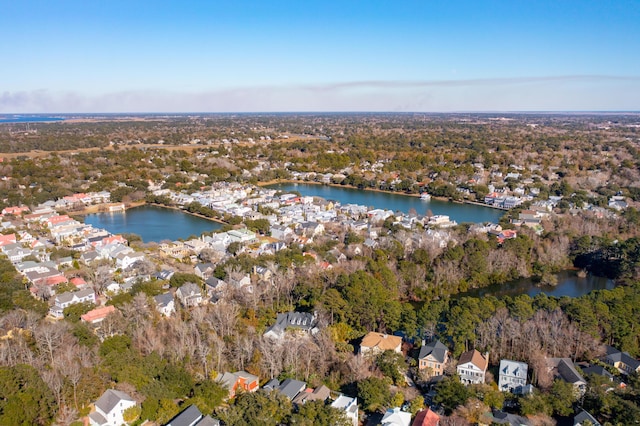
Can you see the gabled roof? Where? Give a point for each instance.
(584, 416)
(564, 369)
(68, 296)
(163, 300)
(110, 399)
(303, 320)
(615, 355)
(395, 417)
(187, 417)
(513, 368)
(321, 393)
(436, 349)
(426, 418)
(474, 357)
(291, 387)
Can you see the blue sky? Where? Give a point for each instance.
(227, 56)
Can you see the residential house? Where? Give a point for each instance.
(165, 304)
(110, 408)
(303, 321)
(503, 418)
(239, 380)
(472, 367)
(624, 362)
(374, 343)
(289, 388)
(190, 295)
(563, 369)
(66, 299)
(396, 417)
(97, 315)
(584, 418)
(204, 270)
(125, 260)
(191, 416)
(512, 376)
(426, 418)
(349, 406)
(281, 232)
(433, 357)
(321, 393)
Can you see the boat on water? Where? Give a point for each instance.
(425, 196)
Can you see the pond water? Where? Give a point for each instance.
(152, 223)
(569, 284)
(396, 202)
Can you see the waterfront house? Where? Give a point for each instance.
(110, 408)
(433, 358)
(374, 343)
(472, 367)
(512, 376)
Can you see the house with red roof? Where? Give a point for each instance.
(98, 315)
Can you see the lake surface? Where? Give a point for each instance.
(383, 200)
(28, 119)
(569, 284)
(152, 223)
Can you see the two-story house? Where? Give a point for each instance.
(512, 376)
(110, 408)
(433, 357)
(472, 367)
(374, 343)
(66, 299)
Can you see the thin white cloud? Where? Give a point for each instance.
(571, 92)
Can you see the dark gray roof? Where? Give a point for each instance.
(202, 267)
(615, 355)
(272, 384)
(110, 398)
(303, 320)
(583, 416)
(597, 369)
(187, 417)
(436, 349)
(500, 417)
(163, 299)
(565, 370)
(291, 387)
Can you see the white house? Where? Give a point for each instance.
(472, 367)
(512, 376)
(396, 417)
(190, 294)
(349, 406)
(165, 304)
(110, 408)
(71, 298)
